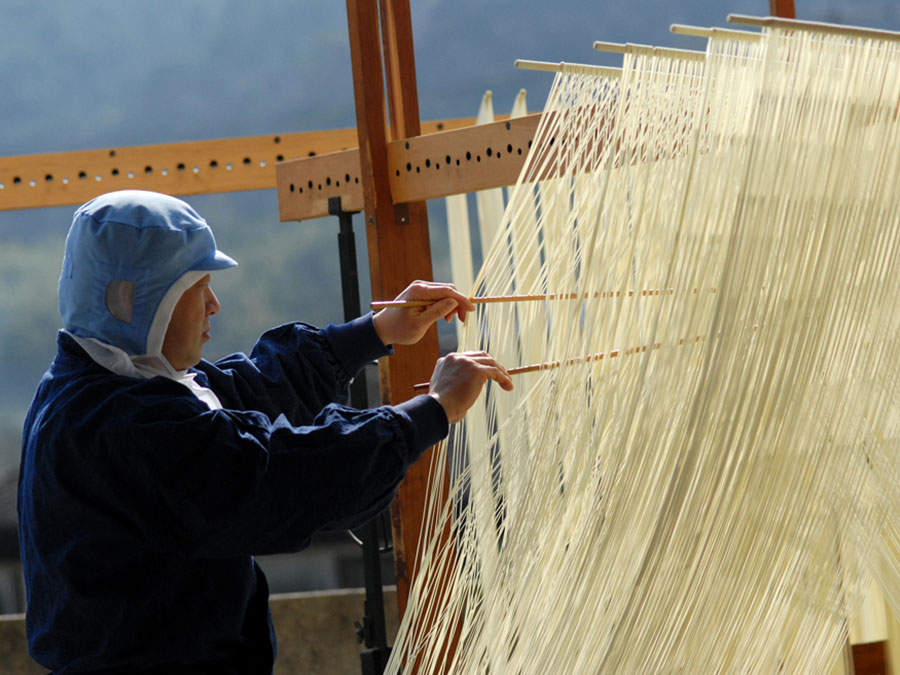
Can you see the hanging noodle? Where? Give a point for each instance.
(710, 492)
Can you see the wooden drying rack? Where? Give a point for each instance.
(388, 166)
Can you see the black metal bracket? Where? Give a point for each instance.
(373, 630)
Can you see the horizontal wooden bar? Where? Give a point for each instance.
(188, 168)
(306, 185)
(423, 167)
(456, 162)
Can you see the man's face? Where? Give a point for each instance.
(189, 327)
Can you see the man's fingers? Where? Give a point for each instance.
(445, 307)
(491, 369)
(430, 290)
(499, 375)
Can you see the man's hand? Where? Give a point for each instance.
(407, 325)
(458, 378)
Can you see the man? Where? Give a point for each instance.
(150, 477)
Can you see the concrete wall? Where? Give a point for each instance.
(316, 635)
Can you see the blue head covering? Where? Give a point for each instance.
(127, 254)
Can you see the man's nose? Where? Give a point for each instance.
(212, 304)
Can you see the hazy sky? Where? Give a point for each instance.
(141, 71)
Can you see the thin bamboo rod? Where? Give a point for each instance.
(381, 304)
(563, 67)
(485, 299)
(697, 340)
(814, 26)
(549, 365)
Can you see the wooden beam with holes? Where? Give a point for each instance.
(189, 168)
(421, 167)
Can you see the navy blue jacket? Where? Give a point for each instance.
(140, 508)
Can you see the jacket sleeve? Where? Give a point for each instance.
(296, 370)
(224, 482)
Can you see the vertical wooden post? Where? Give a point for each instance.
(399, 249)
(782, 8)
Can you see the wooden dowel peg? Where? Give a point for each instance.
(719, 33)
(649, 50)
(563, 67)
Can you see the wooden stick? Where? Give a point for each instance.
(649, 50)
(723, 33)
(541, 366)
(563, 67)
(482, 299)
(699, 339)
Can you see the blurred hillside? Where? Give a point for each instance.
(93, 73)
